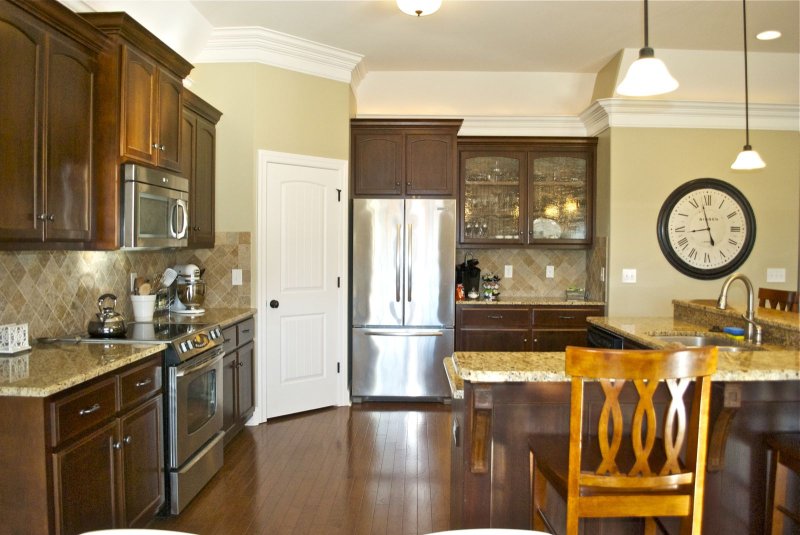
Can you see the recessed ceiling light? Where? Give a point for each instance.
(768, 35)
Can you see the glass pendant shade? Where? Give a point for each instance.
(419, 8)
(748, 159)
(647, 76)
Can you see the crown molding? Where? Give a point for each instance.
(611, 113)
(260, 45)
(504, 126)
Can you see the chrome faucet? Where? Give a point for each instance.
(753, 328)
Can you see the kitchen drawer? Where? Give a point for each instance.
(486, 316)
(229, 338)
(140, 383)
(245, 331)
(77, 412)
(564, 318)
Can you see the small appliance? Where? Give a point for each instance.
(190, 290)
(155, 211)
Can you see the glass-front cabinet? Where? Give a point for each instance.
(527, 191)
(492, 197)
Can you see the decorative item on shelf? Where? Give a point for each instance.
(647, 76)
(419, 8)
(14, 338)
(491, 287)
(747, 159)
(576, 294)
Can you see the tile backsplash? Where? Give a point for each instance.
(571, 268)
(55, 292)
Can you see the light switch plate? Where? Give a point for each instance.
(629, 276)
(550, 272)
(776, 275)
(236, 277)
(508, 272)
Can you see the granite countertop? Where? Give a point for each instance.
(772, 363)
(532, 300)
(50, 368)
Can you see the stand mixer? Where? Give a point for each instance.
(190, 290)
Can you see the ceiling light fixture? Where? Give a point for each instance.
(647, 75)
(748, 158)
(420, 8)
(768, 35)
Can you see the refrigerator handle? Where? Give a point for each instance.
(397, 254)
(410, 260)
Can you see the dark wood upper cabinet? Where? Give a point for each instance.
(403, 157)
(139, 112)
(198, 132)
(526, 191)
(48, 69)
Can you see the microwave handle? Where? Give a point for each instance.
(180, 217)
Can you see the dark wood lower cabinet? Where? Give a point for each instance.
(89, 458)
(238, 400)
(490, 482)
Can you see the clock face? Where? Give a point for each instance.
(706, 228)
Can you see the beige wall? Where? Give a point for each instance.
(646, 165)
(273, 109)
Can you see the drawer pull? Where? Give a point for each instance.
(566, 317)
(245, 330)
(226, 340)
(90, 410)
(143, 382)
(495, 316)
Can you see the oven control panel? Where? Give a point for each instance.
(195, 343)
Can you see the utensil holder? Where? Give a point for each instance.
(143, 307)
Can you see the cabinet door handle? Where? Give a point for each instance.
(566, 317)
(90, 410)
(117, 445)
(155, 146)
(162, 148)
(240, 365)
(143, 382)
(495, 316)
(42, 217)
(127, 440)
(51, 217)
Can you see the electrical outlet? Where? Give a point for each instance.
(629, 276)
(550, 272)
(133, 281)
(509, 271)
(236, 277)
(602, 274)
(776, 275)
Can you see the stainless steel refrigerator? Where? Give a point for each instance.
(403, 297)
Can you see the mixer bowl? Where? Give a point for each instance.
(192, 294)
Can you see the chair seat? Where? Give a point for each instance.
(552, 454)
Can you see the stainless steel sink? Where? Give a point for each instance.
(723, 343)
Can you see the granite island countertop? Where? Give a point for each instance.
(771, 363)
(49, 368)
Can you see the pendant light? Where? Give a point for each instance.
(420, 8)
(647, 75)
(748, 158)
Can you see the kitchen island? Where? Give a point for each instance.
(508, 396)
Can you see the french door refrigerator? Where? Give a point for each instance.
(403, 297)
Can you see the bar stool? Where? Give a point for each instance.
(785, 456)
(777, 299)
(619, 473)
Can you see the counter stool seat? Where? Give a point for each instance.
(784, 449)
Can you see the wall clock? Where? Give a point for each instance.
(706, 228)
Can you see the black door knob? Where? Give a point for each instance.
(274, 304)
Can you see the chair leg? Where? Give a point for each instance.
(778, 495)
(538, 496)
(573, 521)
(649, 526)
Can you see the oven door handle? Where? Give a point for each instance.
(206, 362)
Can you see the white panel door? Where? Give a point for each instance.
(303, 237)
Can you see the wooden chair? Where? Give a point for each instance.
(630, 474)
(784, 459)
(777, 299)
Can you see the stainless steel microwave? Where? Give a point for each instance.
(155, 209)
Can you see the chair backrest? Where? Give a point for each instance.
(777, 299)
(646, 369)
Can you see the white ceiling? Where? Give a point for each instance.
(497, 35)
(567, 36)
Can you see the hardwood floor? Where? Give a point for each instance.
(374, 468)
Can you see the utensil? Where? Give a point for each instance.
(109, 323)
(168, 277)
